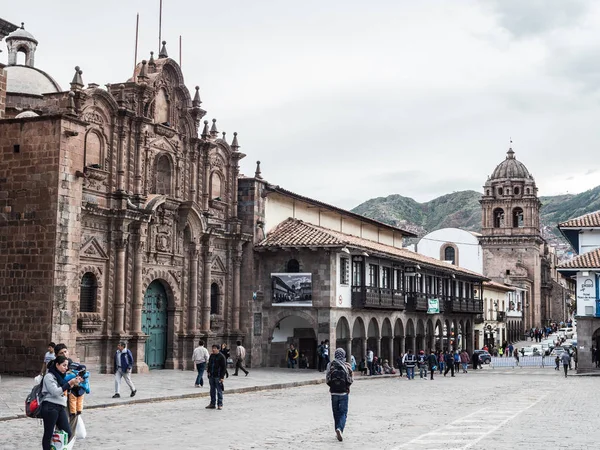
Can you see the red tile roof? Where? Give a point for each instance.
(589, 260)
(296, 233)
(586, 221)
(495, 285)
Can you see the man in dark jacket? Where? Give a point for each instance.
(432, 361)
(449, 360)
(217, 364)
(123, 366)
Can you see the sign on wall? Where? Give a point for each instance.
(433, 306)
(291, 289)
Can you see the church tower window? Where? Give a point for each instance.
(498, 218)
(163, 175)
(450, 254)
(518, 218)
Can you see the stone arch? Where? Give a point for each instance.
(94, 149)
(498, 217)
(518, 217)
(169, 279)
(410, 335)
(387, 351)
(398, 337)
(359, 338)
(374, 336)
(279, 316)
(449, 252)
(420, 336)
(429, 335)
(292, 327)
(343, 338)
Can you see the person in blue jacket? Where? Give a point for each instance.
(123, 366)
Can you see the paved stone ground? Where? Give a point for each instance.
(488, 409)
(156, 385)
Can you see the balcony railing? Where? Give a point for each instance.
(416, 301)
(374, 297)
(463, 305)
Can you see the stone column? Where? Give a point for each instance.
(193, 303)
(206, 183)
(349, 349)
(364, 348)
(237, 266)
(121, 148)
(194, 177)
(138, 294)
(206, 288)
(119, 319)
(378, 345)
(391, 345)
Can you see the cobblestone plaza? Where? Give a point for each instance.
(488, 409)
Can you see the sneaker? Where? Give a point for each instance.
(219, 407)
(196, 385)
(338, 433)
(116, 396)
(133, 393)
(211, 406)
(247, 373)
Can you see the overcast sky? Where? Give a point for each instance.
(344, 101)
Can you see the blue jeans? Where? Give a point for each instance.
(291, 363)
(200, 368)
(339, 405)
(410, 373)
(423, 371)
(216, 393)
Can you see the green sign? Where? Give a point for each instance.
(433, 306)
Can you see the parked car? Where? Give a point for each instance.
(566, 332)
(535, 350)
(484, 356)
(557, 351)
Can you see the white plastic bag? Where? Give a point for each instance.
(80, 431)
(38, 379)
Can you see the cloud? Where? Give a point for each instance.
(527, 18)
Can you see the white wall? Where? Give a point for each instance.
(586, 294)
(343, 290)
(470, 255)
(588, 241)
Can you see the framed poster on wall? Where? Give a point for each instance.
(291, 289)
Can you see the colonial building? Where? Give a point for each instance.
(514, 251)
(118, 218)
(366, 291)
(584, 235)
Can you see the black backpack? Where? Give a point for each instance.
(33, 402)
(338, 378)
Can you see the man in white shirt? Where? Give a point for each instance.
(200, 358)
(240, 356)
(370, 361)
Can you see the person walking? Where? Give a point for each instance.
(464, 360)
(200, 358)
(449, 359)
(475, 360)
(123, 366)
(226, 353)
(565, 358)
(49, 356)
(516, 355)
(240, 356)
(370, 361)
(292, 357)
(456, 361)
(339, 378)
(54, 402)
(422, 363)
(215, 371)
(409, 362)
(441, 361)
(432, 362)
(399, 363)
(326, 353)
(320, 349)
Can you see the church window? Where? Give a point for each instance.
(93, 151)
(498, 218)
(214, 298)
(88, 292)
(293, 266)
(499, 191)
(163, 175)
(487, 192)
(450, 254)
(517, 190)
(528, 191)
(215, 186)
(161, 107)
(518, 218)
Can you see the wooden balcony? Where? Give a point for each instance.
(417, 301)
(374, 297)
(463, 305)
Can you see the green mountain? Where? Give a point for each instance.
(462, 210)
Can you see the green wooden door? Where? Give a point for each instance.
(154, 324)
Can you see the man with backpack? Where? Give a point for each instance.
(339, 378)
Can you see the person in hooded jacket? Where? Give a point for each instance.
(339, 389)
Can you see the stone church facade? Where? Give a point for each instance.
(118, 218)
(514, 251)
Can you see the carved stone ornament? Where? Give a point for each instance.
(92, 117)
(88, 322)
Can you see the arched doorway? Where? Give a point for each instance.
(358, 339)
(439, 338)
(420, 340)
(386, 341)
(214, 298)
(410, 335)
(342, 337)
(298, 331)
(398, 338)
(373, 341)
(155, 325)
(429, 337)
